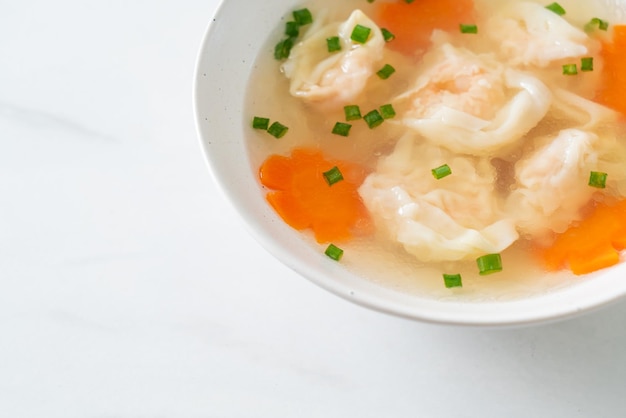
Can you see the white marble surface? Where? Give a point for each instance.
(130, 289)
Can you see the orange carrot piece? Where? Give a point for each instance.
(303, 198)
(601, 257)
(413, 23)
(619, 242)
(331, 231)
(289, 209)
(612, 92)
(591, 245)
(276, 172)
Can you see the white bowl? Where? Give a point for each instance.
(226, 58)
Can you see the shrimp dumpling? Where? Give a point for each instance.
(552, 182)
(330, 80)
(453, 218)
(531, 35)
(472, 104)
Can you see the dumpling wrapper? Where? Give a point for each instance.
(552, 182)
(454, 218)
(471, 104)
(531, 35)
(582, 112)
(334, 79)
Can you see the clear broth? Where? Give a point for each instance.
(375, 258)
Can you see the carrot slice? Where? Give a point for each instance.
(612, 92)
(276, 172)
(413, 23)
(601, 257)
(303, 198)
(591, 245)
(289, 209)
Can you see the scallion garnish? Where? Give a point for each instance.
(373, 119)
(283, 49)
(303, 16)
(490, 263)
(586, 64)
(556, 8)
(334, 252)
(385, 72)
(260, 123)
(352, 112)
(333, 175)
(452, 280)
(409, 1)
(569, 69)
(360, 34)
(597, 179)
(333, 43)
(468, 28)
(596, 23)
(277, 130)
(342, 129)
(387, 111)
(292, 29)
(441, 171)
(387, 36)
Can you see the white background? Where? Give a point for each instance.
(129, 288)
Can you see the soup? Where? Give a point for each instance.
(475, 144)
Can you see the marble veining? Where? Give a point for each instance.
(47, 120)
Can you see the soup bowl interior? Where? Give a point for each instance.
(239, 31)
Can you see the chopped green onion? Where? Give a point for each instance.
(303, 17)
(373, 119)
(597, 179)
(570, 69)
(370, 1)
(387, 111)
(586, 64)
(352, 112)
(452, 280)
(387, 36)
(490, 263)
(468, 28)
(260, 123)
(360, 34)
(409, 1)
(333, 44)
(334, 252)
(333, 175)
(342, 129)
(283, 49)
(385, 72)
(277, 130)
(596, 23)
(441, 171)
(292, 29)
(556, 8)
